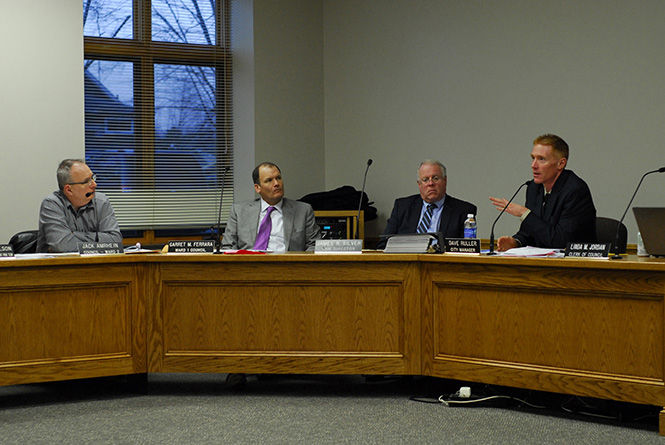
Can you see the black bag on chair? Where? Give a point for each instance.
(342, 198)
(24, 242)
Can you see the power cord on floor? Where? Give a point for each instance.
(479, 400)
(424, 399)
(586, 409)
(463, 397)
(574, 405)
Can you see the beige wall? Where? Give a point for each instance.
(41, 103)
(473, 82)
(278, 92)
(288, 58)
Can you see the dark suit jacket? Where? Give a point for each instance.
(568, 216)
(406, 215)
(300, 229)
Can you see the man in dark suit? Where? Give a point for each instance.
(431, 210)
(559, 208)
(292, 225)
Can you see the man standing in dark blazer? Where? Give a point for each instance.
(559, 208)
(430, 211)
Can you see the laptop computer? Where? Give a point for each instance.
(651, 222)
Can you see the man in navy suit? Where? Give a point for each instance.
(559, 208)
(292, 222)
(430, 211)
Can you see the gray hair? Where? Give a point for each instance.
(64, 171)
(433, 162)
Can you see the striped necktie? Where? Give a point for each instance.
(423, 226)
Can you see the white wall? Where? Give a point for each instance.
(41, 103)
(242, 43)
(472, 83)
(288, 58)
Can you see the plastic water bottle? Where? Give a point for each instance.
(641, 251)
(470, 230)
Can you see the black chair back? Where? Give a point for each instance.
(606, 232)
(24, 242)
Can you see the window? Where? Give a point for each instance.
(157, 78)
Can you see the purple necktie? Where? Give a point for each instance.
(263, 236)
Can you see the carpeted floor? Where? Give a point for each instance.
(190, 408)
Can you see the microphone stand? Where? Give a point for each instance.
(218, 240)
(360, 201)
(616, 255)
(491, 252)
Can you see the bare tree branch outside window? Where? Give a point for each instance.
(183, 135)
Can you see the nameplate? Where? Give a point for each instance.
(338, 246)
(6, 250)
(588, 250)
(461, 245)
(198, 246)
(99, 248)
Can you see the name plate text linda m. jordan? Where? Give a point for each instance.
(588, 250)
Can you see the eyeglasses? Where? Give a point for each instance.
(434, 179)
(86, 182)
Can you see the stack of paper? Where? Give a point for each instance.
(529, 251)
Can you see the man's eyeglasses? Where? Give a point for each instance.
(434, 179)
(86, 182)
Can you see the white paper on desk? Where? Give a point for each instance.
(530, 251)
(137, 251)
(32, 256)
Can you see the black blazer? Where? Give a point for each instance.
(568, 216)
(406, 215)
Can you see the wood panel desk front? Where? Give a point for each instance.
(593, 328)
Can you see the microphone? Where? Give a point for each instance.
(89, 194)
(218, 241)
(616, 238)
(360, 201)
(491, 252)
